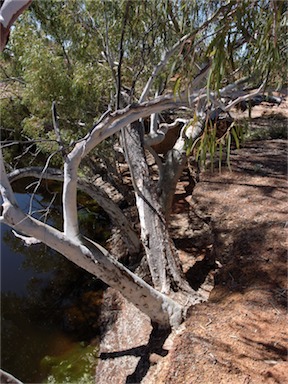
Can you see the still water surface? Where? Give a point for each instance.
(49, 307)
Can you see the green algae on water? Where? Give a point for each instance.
(74, 366)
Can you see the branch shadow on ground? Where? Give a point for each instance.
(154, 346)
(252, 261)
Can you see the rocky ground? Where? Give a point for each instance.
(240, 334)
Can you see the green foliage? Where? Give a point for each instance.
(50, 75)
(58, 50)
(251, 41)
(52, 69)
(212, 146)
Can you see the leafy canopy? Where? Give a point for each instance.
(72, 52)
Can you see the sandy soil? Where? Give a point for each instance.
(240, 335)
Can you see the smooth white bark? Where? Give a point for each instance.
(9, 12)
(164, 266)
(5, 187)
(110, 124)
(96, 260)
(70, 243)
(96, 193)
(11, 9)
(70, 213)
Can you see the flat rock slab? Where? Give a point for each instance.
(124, 345)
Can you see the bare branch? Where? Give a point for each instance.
(245, 97)
(108, 54)
(56, 126)
(108, 126)
(95, 192)
(96, 260)
(27, 240)
(9, 12)
(121, 54)
(9, 143)
(5, 187)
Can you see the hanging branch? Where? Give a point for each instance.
(121, 53)
(107, 54)
(56, 127)
(167, 55)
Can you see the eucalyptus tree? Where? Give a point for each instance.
(132, 71)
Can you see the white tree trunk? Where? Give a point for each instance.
(174, 163)
(84, 252)
(161, 254)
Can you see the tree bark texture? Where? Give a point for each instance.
(160, 251)
(175, 161)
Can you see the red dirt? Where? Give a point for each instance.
(240, 335)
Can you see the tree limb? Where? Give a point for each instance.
(245, 97)
(109, 125)
(95, 192)
(9, 12)
(121, 54)
(96, 260)
(56, 127)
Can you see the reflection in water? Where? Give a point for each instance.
(14, 275)
(50, 308)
